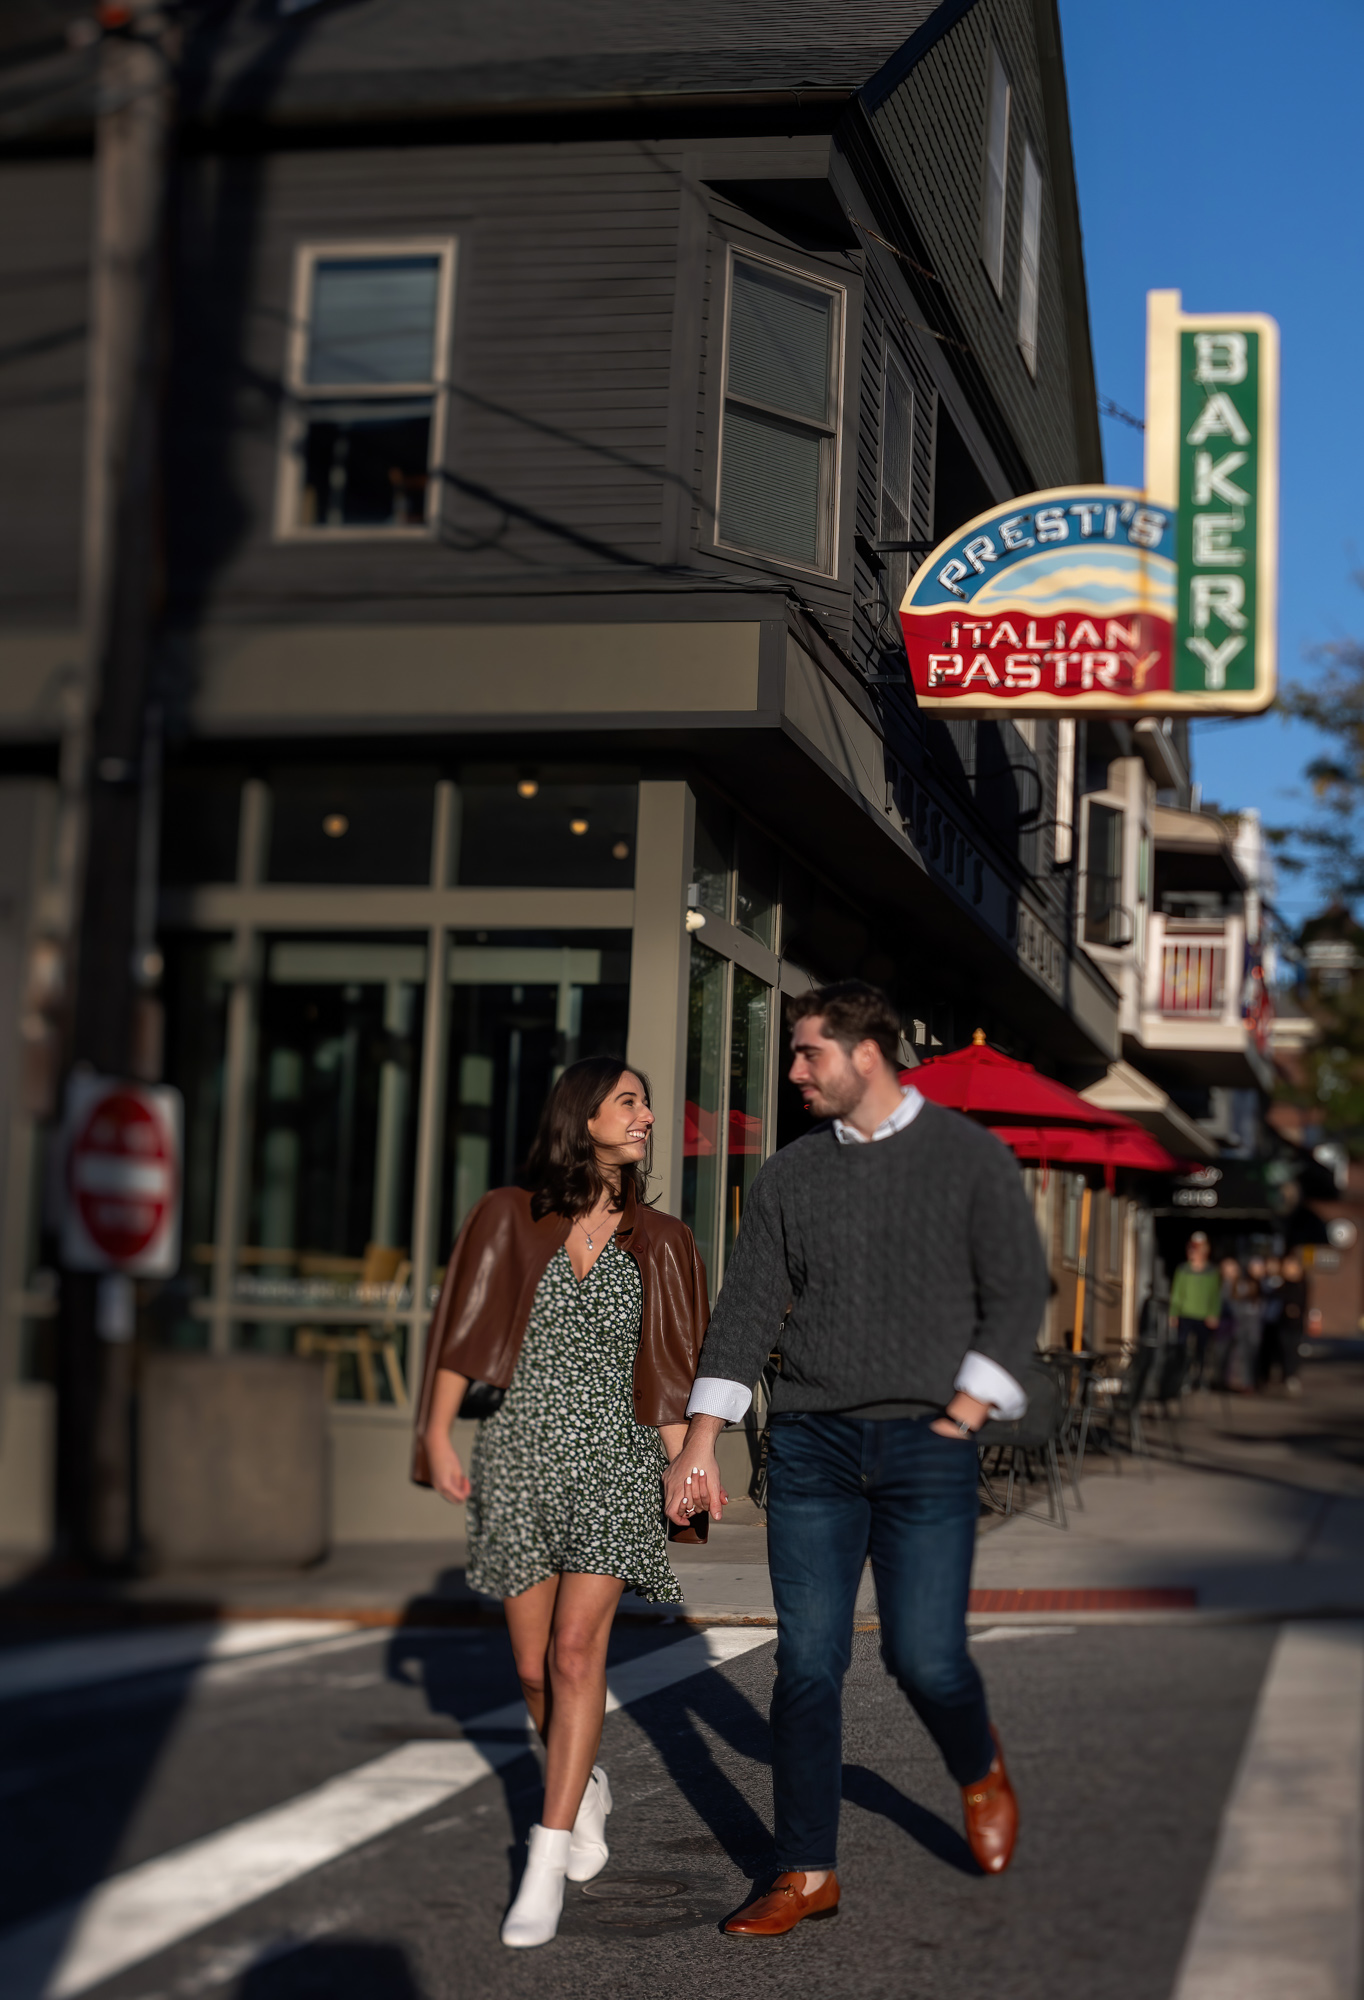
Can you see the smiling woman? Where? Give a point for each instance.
(586, 1307)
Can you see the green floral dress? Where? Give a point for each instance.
(564, 1478)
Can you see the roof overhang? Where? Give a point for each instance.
(1125, 1089)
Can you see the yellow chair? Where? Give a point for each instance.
(383, 1265)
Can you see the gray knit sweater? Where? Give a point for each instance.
(898, 1256)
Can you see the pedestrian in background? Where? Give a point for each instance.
(1222, 1343)
(902, 1235)
(1196, 1304)
(1247, 1316)
(587, 1308)
(1271, 1317)
(1292, 1322)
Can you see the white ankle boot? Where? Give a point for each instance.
(590, 1853)
(534, 1917)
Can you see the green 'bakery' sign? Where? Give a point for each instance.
(1212, 455)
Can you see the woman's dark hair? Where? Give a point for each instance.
(561, 1168)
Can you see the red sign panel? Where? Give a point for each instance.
(122, 1178)
(1055, 602)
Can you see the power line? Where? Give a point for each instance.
(1108, 408)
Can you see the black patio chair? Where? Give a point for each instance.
(1027, 1445)
(1166, 1385)
(1123, 1404)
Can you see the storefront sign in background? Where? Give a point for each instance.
(1061, 600)
(1212, 397)
(1105, 598)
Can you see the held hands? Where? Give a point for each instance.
(691, 1485)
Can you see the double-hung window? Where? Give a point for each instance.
(897, 477)
(996, 169)
(1029, 258)
(779, 436)
(365, 369)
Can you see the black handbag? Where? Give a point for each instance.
(481, 1399)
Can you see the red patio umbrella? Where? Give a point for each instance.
(1039, 1119)
(1066, 1145)
(992, 1087)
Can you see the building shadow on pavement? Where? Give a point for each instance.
(351, 1969)
(75, 1762)
(876, 1794)
(674, 1720)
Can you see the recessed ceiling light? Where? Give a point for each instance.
(528, 787)
(334, 825)
(621, 851)
(577, 826)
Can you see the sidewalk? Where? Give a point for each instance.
(1248, 1508)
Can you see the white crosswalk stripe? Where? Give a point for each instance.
(66, 1951)
(79, 1663)
(1280, 1916)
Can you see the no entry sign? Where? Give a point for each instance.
(122, 1177)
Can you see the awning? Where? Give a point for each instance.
(1125, 1090)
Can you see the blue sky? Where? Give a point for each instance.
(1220, 151)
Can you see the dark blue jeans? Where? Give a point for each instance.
(838, 1489)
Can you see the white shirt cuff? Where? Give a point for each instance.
(984, 1379)
(716, 1396)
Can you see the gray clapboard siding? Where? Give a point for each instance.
(932, 131)
(559, 364)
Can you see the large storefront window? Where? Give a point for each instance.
(522, 1007)
(734, 870)
(750, 1013)
(728, 1071)
(328, 1220)
(368, 823)
(551, 828)
(702, 1155)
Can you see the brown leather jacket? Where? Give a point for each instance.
(498, 1261)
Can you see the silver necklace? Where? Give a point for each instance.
(578, 1223)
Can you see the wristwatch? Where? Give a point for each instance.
(962, 1426)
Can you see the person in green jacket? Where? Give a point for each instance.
(1196, 1301)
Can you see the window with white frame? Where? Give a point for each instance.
(996, 168)
(1029, 258)
(779, 434)
(365, 405)
(897, 475)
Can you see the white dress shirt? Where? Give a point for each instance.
(978, 1377)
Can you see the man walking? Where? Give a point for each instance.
(901, 1236)
(1196, 1305)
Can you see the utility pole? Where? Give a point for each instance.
(99, 912)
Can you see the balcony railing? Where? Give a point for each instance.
(1193, 976)
(1193, 968)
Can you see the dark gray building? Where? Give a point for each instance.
(541, 385)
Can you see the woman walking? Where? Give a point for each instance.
(587, 1308)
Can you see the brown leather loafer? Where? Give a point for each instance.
(991, 1816)
(784, 1906)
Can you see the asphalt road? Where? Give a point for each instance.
(1123, 1742)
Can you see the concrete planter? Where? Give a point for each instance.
(232, 1460)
